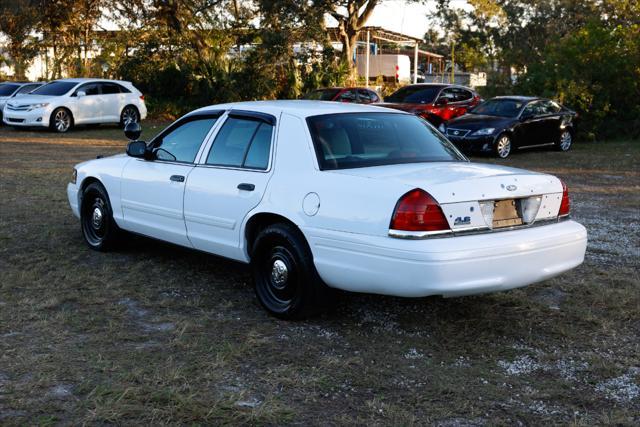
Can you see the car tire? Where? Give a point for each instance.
(129, 113)
(503, 146)
(286, 282)
(99, 229)
(565, 140)
(61, 120)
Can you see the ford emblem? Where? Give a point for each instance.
(512, 187)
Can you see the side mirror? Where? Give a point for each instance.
(132, 131)
(81, 93)
(137, 149)
(442, 101)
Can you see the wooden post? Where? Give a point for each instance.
(415, 63)
(453, 61)
(367, 54)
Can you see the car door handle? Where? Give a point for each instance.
(177, 178)
(246, 187)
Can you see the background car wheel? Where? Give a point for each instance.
(565, 141)
(129, 114)
(96, 218)
(285, 278)
(502, 146)
(61, 120)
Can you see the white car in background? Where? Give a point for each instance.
(320, 195)
(10, 90)
(61, 104)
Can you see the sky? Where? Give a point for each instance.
(404, 17)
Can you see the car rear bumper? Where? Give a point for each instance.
(454, 266)
(38, 117)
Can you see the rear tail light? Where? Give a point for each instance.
(141, 97)
(565, 204)
(418, 211)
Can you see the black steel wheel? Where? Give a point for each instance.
(286, 282)
(129, 114)
(96, 218)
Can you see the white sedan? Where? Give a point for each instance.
(61, 104)
(320, 195)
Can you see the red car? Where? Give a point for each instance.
(358, 95)
(437, 103)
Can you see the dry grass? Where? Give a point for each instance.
(154, 334)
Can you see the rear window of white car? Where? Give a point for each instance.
(354, 140)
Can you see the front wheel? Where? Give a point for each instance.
(61, 120)
(502, 146)
(565, 141)
(286, 281)
(96, 218)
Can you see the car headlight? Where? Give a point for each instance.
(485, 131)
(442, 128)
(36, 106)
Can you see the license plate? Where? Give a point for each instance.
(505, 214)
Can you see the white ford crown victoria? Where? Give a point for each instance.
(320, 195)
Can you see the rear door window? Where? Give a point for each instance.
(110, 89)
(242, 143)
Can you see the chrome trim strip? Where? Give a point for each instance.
(418, 235)
(537, 145)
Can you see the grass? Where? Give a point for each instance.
(154, 334)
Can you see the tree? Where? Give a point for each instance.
(18, 19)
(352, 16)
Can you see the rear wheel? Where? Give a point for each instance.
(502, 147)
(285, 278)
(129, 115)
(565, 141)
(96, 218)
(61, 120)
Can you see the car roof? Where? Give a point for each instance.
(343, 88)
(89, 80)
(518, 98)
(299, 108)
(441, 85)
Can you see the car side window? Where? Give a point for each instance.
(374, 96)
(550, 107)
(242, 143)
(364, 96)
(182, 143)
(27, 88)
(110, 89)
(463, 95)
(533, 109)
(89, 89)
(448, 94)
(348, 96)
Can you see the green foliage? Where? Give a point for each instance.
(585, 54)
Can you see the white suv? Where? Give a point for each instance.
(61, 104)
